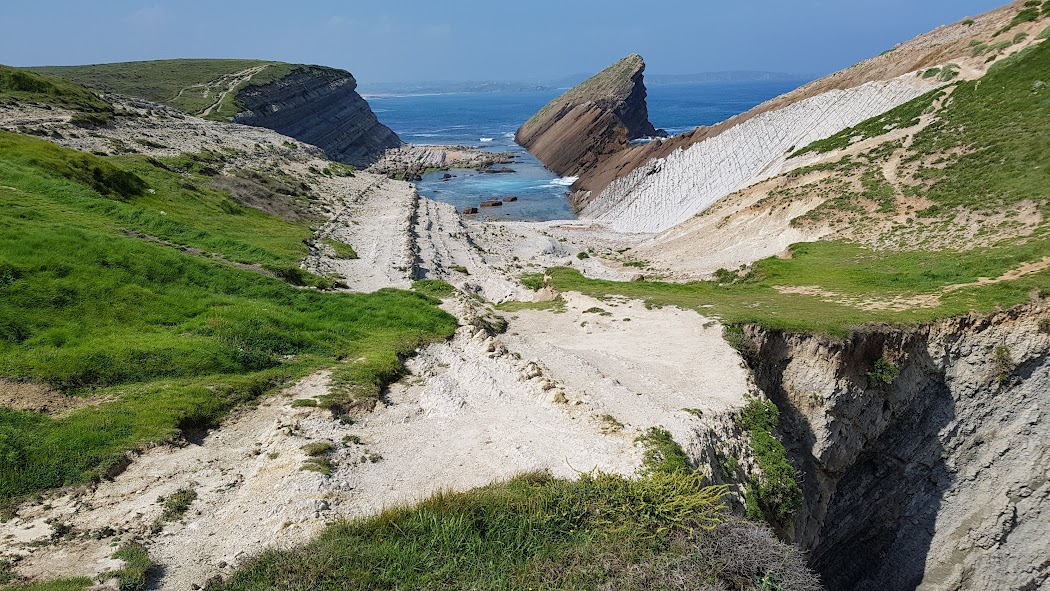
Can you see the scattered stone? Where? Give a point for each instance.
(510, 199)
(470, 210)
(493, 203)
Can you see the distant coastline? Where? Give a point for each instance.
(438, 87)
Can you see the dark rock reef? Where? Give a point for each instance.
(319, 106)
(577, 131)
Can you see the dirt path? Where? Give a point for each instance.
(375, 216)
(235, 80)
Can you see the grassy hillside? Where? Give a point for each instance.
(124, 282)
(192, 85)
(19, 86)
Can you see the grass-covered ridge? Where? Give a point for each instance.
(849, 276)
(191, 85)
(18, 85)
(155, 301)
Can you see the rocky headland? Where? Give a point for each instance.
(319, 106)
(577, 131)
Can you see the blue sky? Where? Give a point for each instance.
(404, 40)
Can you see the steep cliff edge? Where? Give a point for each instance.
(576, 131)
(923, 452)
(319, 106)
(313, 104)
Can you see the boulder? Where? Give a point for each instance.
(510, 199)
(470, 210)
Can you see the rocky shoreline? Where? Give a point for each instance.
(410, 162)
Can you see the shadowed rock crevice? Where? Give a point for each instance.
(920, 477)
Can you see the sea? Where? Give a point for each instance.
(488, 120)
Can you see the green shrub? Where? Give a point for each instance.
(774, 494)
(662, 454)
(582, 255)
(318, 448)
(133, 576)
(883, 373)
(1004, 363)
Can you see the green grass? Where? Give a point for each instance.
(175, 506)
(170, 338)
(906, 115)
(844, 268)
(556, 305)
(434, 288)
(23, 86)
(1002, 123)
(169, 82)
(137, 564)
(342, 249)
(533, 532)
(158, 81)
(774, 495)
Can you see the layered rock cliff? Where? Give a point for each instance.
(577, 131)
(651, 187)
(923, 453)
(319, 106)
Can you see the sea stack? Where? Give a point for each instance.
(593, 120)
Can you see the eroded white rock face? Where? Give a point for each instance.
(667, 191)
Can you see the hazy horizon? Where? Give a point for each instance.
(406, 41)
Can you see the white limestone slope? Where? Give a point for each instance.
(667, 191)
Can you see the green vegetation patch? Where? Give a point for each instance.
(904, 116)
(342, 249)
(434, 288)
(191, 85)
(157, 306)
(133, 576)
(24, 86)
(774, 495)
(78, 584)
(1000, 122)
(533, 532)
(852, 272)
(662, 454)
(167, 82)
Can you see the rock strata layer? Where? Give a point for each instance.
(932, 475)
(577, 131)
(319, 106)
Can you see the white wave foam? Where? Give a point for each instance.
(564, 181)
(487, 139)
(509, 134)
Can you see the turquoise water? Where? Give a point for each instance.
(489, 120)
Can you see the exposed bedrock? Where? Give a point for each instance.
(936, 478)
(667, 191)
(319, 106)
(600, 116)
